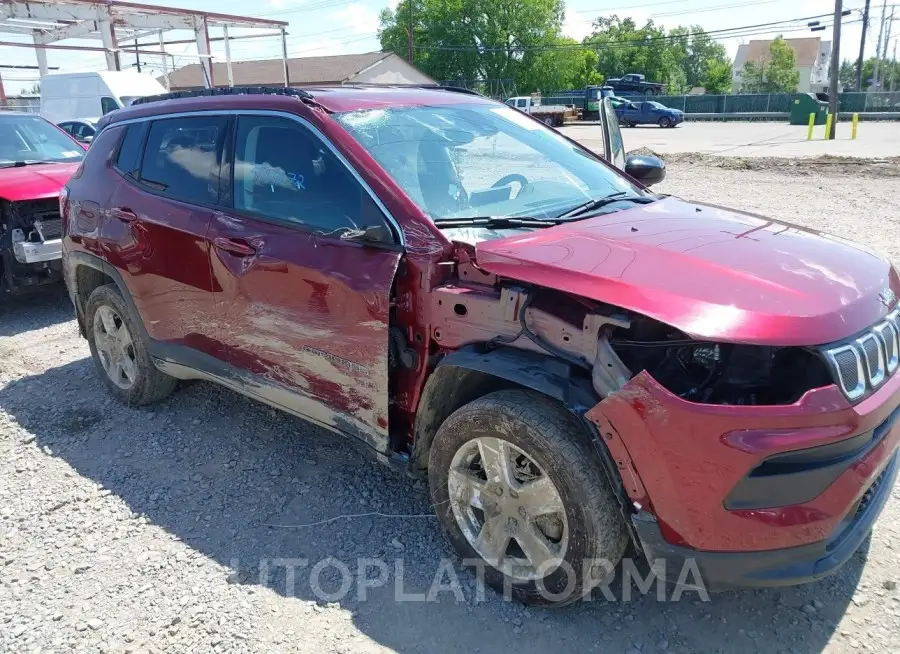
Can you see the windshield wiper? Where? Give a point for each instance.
(593, 205)
(25, 162)
(495, 222)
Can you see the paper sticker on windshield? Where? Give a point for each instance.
(517, 117)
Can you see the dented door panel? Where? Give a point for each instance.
(310, 314)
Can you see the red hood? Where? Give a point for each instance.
(710, 272)
(35, 182)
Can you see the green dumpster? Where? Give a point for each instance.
(805, 104)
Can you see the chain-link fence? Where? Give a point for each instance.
(762, 103)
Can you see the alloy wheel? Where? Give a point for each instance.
(508, 508)
(115, 347)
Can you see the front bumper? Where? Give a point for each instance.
(26, 252)
(720, 571)
(688, 464)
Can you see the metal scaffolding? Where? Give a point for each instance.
(119, 26)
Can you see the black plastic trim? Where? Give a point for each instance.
(800, 476)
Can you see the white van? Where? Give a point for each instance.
(71, 96)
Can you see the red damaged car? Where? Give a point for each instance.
(36, 160)
(578, 363)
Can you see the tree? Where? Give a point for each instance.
(776, 72)
(847, 75)
(717, 77)
(35, 89)
(682, 58)
(482, 39)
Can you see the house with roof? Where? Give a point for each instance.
(366, 68)
(813, 56)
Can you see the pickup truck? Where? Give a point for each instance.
(634, 83)
(648, 113)
(552, 115)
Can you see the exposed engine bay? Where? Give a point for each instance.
(30, 243)
(612, 345)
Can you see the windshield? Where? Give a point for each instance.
(482, 160)
(657, 105)
(32, 139)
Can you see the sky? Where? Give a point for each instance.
(323, 27)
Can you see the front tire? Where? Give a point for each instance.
(120, 353)
(665, 122)
(519, 488)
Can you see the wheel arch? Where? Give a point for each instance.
(470, 373)
(85, 272)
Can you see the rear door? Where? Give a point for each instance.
(156, 234)
(303, 301)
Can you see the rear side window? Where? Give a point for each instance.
(181, 158)
(130, 150)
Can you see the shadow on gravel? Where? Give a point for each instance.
(42, 307)
(216, 470)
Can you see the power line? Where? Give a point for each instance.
(729, 33)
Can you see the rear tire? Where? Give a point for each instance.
(573, 529)
(548, 121)
(119, 351)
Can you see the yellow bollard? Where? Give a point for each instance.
(855, 123)
(812, 124)
(827, 126)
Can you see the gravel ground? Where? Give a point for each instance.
(151, 530)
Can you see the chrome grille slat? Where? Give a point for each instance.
(864, 364)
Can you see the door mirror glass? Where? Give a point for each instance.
(645, 169)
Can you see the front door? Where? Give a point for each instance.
(305, 300)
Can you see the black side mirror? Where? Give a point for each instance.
(647, 170)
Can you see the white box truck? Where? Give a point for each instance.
(71, 96)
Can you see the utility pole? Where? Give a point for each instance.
(893, 66)
(137, 55)
(835, 67)
(878, 46)
(862, 47)
(409, 30)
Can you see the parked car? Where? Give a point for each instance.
(576, 362)
(648, 113)
(634, 83)
(72, 96)
(83, 130)
(36, 160)
(552, 115)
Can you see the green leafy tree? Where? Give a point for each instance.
(847, 75)
(774, 73)
(682, 57)
(481, 39)
(717, 77)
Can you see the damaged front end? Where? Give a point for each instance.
(30, 243)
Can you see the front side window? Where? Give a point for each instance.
(28, 139)
(283, 172)
(459, 161)
(523, 103)
(181, 158)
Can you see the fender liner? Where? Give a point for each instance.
(471, 372)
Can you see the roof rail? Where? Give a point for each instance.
(226, 90)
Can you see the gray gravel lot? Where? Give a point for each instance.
(144, 529)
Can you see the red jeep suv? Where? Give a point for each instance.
(578, 363)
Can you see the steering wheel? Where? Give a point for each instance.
(509, 179)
